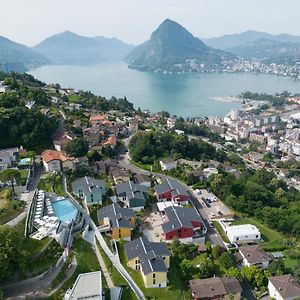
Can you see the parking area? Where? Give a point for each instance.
(151, 227)
(213, 208)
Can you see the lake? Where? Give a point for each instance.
(180, 94)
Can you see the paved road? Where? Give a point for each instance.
(113, 258)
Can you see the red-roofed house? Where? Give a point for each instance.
(57, 161)
(98, 120)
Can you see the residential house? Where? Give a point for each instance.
(215, 288)
(284, 287)
(133, 125)
(90, 189)
(181, 222)
(110, 142)
(133, 195)
(254, 255)
(98, 120)
(243, 233)
(168, 164)
(56, 161)
(171, 189)
(119, 175)
(143, 179)
(93, 135)
(117, 220)
(151, 259)
(82, 162)
(61, 141)
(3, 88)
(86, 286)
(10, 156)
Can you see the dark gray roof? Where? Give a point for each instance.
(118, 172)
(149, 253)
(139, 246)
(286, 285)
(131, 190)
(214, 287)
(88, 185)
(254, 254)
(118, 216)
(142, 178)
(171, 185)
(179, 217)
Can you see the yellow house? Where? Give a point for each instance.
(117, 220)
(151, 259)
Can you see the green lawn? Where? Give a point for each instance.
(221, 231)
(117, 278)
(273, 240)
(171, 292)
(9, 209)
(74, 98)
(23, 176)
(52, 184)
(58, 187)
(86, 262)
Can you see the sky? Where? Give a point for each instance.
(132, 21)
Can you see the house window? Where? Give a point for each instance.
(154, 281)
(136, 261)
(237, 239)
(153, 275)
(164, 258)
(257, 236)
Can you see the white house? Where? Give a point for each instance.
(284, 287)
(167, 165)
(3, 88)
(9, 156)
(254, 255)
(242, 233)
(56, 161)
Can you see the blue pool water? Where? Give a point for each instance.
(64, 210)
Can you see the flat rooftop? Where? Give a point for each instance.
(242, 229)
(87, 286)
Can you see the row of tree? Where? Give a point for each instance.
(147, 147)
(262, 195)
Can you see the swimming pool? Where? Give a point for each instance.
(64, 210)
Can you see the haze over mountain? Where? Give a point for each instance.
(173, 48)
(233, 40)
(17, 57)
(70, 48)
(269, 51)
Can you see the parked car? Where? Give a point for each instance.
(211, 224)
(220, 213)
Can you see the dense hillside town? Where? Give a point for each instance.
(100, 198)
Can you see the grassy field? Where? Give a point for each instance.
(117, 278)
(171, 292)
(23, 176)
(52, 184)
(86, 262)
(221, 231)
(9, 209)
(273, 240)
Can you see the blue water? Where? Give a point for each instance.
(180, 94)
(64, 210)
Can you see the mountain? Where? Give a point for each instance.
(173, 48)
(266, 49)
(70, 48)
(17, 57)
(233, 40)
